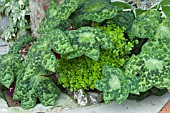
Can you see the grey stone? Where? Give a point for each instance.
(4, 23)
(95, 98)
(3, 43)
(4, 47)
(4, 50)
(81, 97)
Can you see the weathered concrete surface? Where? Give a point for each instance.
(4, 48)
(152, 104)
(63, 103)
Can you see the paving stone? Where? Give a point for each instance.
(3, 43)
(3, 104)
(4, 50)
(63, 103)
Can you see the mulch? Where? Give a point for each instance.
(5, 93)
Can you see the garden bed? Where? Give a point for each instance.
(95, 51)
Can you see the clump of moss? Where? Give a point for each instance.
(79, 73)
(116, 57)
(83, 72)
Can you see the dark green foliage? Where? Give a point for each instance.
(121, 5)
(20, 42)
(143, 95)
(91, 57)
(65, 9)
(40, 53)
(152, 65)
(83, 72)
(153, 69)
(87, 41)
(11, 62)
(37, 86)
(9, 65)
(114, 85)
(56, 16)
(95, 10)
(145, 24)
(126, 19)
(163, 30)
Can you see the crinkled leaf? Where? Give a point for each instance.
(114, 85)
(145, 24)
(125, 19)
(56, 15)
(20, 42)
(163, 30)
(96, 10)
(153, 68)
(121, 5)
(35, 87)
(40, 53)
(65, 9)
(9, 65)
(161, 39)
(87, 41)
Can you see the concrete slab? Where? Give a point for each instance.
(63, 103)
(4, 50)
(152, 104)
(3, 43)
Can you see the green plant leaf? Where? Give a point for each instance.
(151, 65)
(96, 10)
(37, 86)
(121, 5)
(20, 42)
(165, 10)
(114, 85)
(40, 53)
(9, 65)
(125, 19)
(87, 41)
(145, 24)
(164, 3)
(56, 15)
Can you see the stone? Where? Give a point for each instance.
(95, 98)
(3, 104)
(4, 23)
(4, 50)
(81, 97)
(3, 43)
